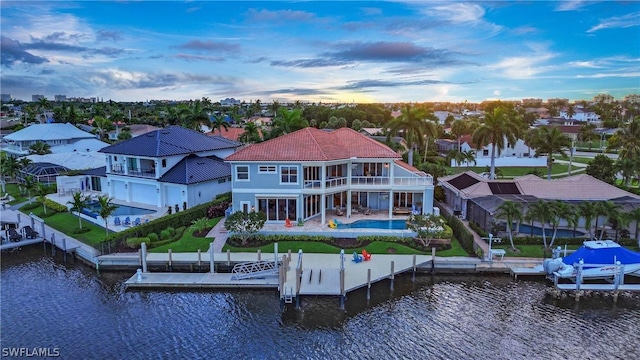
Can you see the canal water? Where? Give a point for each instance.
(85, 315)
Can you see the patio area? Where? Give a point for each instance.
(155, 212)
(313, 227)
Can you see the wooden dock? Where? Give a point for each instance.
(598, 287)
(306, 274)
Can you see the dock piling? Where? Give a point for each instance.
(64, 249)
(413, 277)
(259, 255)
(199, 260)
(228, 260)
(433, 260)
(212, 264)
(170, 261)
(368, 284)
(342, 294)
(392, 276)
(143, 254)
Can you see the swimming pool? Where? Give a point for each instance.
(375, 224)
(537, 231)
(93, 209)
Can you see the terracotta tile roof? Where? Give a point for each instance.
(230, 133)
(311, 144)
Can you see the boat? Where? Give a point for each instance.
(596, 259)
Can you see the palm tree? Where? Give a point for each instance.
(627, 167)
(198, 225)
(469, 157)
(587, 133)
(588, 211)
(78, 202)
(559, 211)
(510, 211)
(499, 129)
(40, 148)
(102, 124)
(635, 216)
(251, 134)
(194, 115)
(9, 167)
(287, 121)
(459, 128)
(541, 211)
(43, 105)
(415, 126)
(609, 210)
(571, 110)
(29, 185)
(107, 208)
(41, 193)
(457, 156)
(549, 141)
(218, 122)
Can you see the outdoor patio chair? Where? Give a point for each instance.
(127, 221)
(136, 222)
(116, 221)
(13, 235)
(29, 233)
(339, 212)
(367, 211)
(4, 197)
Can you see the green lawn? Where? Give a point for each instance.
(188, 242)
(68, 223)
(13, 190)
(378, 247)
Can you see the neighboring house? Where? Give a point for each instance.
(168, 166)
(518, 155)
(477, 199)
(372, 131)
(62, 138)
(232, 133)
(305, 174)
(134, 130)
(582, 115)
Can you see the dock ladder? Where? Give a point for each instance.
(288, 295)
(254, 269)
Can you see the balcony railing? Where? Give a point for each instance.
(144, 172)
(413, 181)
(117, 169)
(336, 182)
(369, 180)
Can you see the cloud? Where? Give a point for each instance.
(293, 91)
(363, 84)
(190, 58)
(570, 5)
(458, 12)
(12, 51)
(105, 35)
(624, 21)
(309, 63)
(280, 16)
(210, 46)
(391, 51)
(125, 80)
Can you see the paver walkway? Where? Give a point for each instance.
(220, 235)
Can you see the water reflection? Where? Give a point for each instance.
(89, 315)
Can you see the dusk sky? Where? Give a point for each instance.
(341, 51)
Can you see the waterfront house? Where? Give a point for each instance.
(475, 198)
(61, 138)
(518, 155)
(313, 173)
(168, 167)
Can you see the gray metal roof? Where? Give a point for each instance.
(195, 169)
(172, 140)
(49, 132)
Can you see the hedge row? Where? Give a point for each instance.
(180, 219)
(465, 238)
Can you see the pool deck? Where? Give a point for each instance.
(156, 211)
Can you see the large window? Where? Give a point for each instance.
(402, 199)
(311, 205)
(278, 209)
(289, 174)
(242, 173)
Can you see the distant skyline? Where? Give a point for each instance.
(320, 51)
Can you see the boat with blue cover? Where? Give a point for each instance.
(598, 259)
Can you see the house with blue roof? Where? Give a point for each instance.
(168, 166)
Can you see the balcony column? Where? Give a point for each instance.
(323, 206)
(127, 186)
(126, 166)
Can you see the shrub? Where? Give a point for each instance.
(30, 206)
(153, 237)
(165, 234)
(465, 238)
(135, 242)
(50, 204)
(171, 230)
